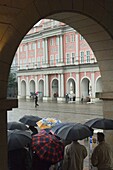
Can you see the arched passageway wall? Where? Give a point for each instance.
(92, 19)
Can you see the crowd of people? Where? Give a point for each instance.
(74, 155)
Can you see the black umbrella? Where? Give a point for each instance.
(56, 128)
(18, 139)
(74, 131)
(16, 125)
(30, 120)
(100, 123)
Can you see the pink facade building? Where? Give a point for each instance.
(55, 60)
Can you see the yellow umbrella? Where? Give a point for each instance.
(47, 123)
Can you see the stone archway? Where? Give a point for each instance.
(92, 19)
(23, 89)
(85, 83)
(32, 86)
(55, 87)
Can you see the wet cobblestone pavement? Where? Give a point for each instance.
(71, 112)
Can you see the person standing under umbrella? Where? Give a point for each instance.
(74, 156)
(102, 156)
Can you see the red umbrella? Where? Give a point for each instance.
(47, 147)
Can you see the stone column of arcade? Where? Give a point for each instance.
(5, 105)
(108, 113)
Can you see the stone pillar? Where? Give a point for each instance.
(47, 86)
(78, 97)
(62, 85)
(45, 51)
(76, 47)
(19, 88)
(44, 85)
(107, 98)
(27, 88)
(27, 63)
(5, 105)
(36, 84)
(18, 58)
(59, 86)
(35, 57)
(61, 49)
(93, 85)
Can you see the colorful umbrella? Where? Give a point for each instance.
(47, 147)
(100, 123)
(30, 120)
(45, 123)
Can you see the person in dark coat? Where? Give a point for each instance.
(19, 159)
(38, 164)
(36, 100)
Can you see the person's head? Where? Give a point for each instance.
(100, 137)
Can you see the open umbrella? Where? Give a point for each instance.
(47, 147)
(18, 139)
(74, 131)
(30, 120)
(56, 128)
(45, 123)
(100, 123)
(16, 125)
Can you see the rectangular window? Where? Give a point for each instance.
(56, 58)
(33, 46)
(82, 57)
(81, 37)
(51, 41)
(73, 58)
(68, 58)
(67, 39)
(88, 56)
(51, 60)
(29, 46)
(25, 48)
(38, 63)
(72, 37)
(20, 48)
(57, 40)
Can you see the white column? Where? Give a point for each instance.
(59, 85)
(35, 52)
(26, 54)
(47, 86)
(58, 49)
(77, 87)
(27, 87)
(46, 50)
(18, 58)
(61, 48)
(76, 47)
(44, 85)
(62, 85)
(36, 84)
(19, 87)
(93, 84)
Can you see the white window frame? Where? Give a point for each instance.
(87, 56)
(68, 58)
(82, 57)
